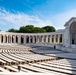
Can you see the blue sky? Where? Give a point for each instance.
(16, 13)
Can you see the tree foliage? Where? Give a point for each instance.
(32, 29)
(12, 30)
(26, 29)
(39, 30)
(49, 28)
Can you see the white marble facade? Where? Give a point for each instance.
(65, 37)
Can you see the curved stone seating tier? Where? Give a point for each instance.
(56, 68)
(44, 67)
(12, 56)
(15, 51)
(3, 70)
(33, 56)
(14, 59)
(64, 62)
(9, 68)
(22, 69)
(66, 65)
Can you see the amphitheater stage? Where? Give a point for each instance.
(48, 51)
(64, 55)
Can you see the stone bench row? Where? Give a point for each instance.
(12, 59)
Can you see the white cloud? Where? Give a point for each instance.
(59, 19)
(19, 19)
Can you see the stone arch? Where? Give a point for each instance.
(72, 30)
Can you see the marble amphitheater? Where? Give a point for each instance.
(53, 53)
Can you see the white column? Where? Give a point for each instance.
(24, 39)
(50, 38)
(11, 38)
(42, 39)
(33, 39)
(46, 39)
(7, 38)
(3, 38)
(39, 39)
(14, 39)
(19, 39)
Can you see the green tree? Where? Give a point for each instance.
(12, 30)
(26, 29)
(31, 29)
(49, 28)
(38, 30)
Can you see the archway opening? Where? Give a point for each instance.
(61, 38)
(9, 39)
(31, 39)
(45, 39)
(35, 39)
(16, 39)
(27, 39)
(13, 37)
(1, 38)
(73, 33)
(22, 39)
(48, 38)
